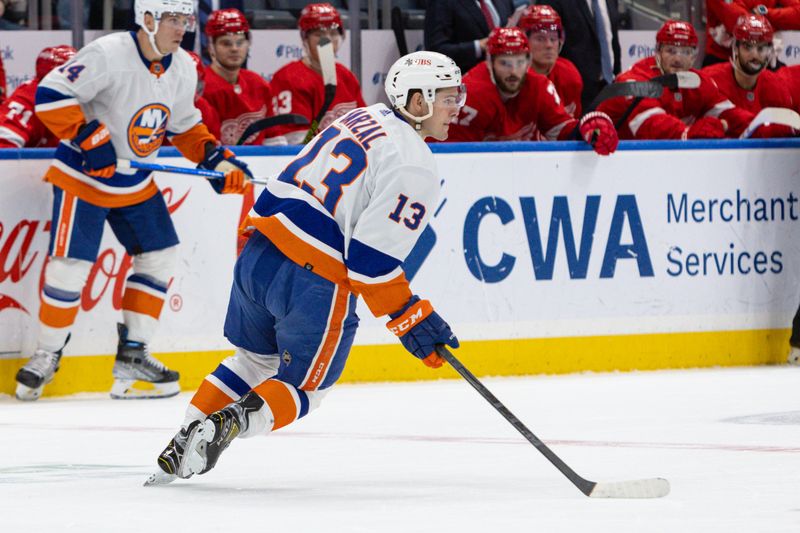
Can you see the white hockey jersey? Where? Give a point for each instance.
(139, 101)
(353, 203)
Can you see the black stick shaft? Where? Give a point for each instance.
(584, 485)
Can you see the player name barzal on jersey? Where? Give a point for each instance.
(351, 205)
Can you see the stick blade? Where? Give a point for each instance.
(688, 80)
(159, 478)
(640, 488)
(327, 61)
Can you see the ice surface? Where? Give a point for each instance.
(427, 457)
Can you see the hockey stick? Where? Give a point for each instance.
(155, 167)
(640, 488)
(772, 115)
(651, 88)
(268, 122)
(327, 62)
(399, 31)
(676, 81)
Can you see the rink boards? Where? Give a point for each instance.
(545, 258)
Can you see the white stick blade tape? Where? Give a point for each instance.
(640, 488)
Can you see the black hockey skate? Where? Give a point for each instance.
(135, 364)
(169, 461)
(207, 442)
(40, 370)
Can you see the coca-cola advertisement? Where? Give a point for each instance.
(193, 315)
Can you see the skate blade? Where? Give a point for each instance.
(28, 394)
(194, 461)
(131, 389)
(160, 478)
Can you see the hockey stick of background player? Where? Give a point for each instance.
(677, 80)
(399, 31)
(772, 115)
(651, 88)
(267, 122)
(155, 167)
(327, 62)
(640, 488)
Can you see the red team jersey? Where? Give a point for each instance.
(569, 84)
(210, 116)
(19, 125)
(723, 14)
(238, 105)
(534, 113)
(790, 76)
(297, 88)
(668, 116)
(770, 89)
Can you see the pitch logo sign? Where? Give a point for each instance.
(147, 128)
(289, 51)
(640, 51)
(379, 78)
(792, 51)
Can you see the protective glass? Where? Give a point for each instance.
(763, 50)
(457, 100)
(545, 37)
(685, 51)
(177, 21)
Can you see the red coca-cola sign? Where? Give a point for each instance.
(19, 254)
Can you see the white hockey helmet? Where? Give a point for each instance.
(158, 8)
(425, 71)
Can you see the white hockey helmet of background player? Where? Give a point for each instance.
(426, 71)
(158, 8)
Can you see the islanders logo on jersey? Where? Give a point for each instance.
(147, 128)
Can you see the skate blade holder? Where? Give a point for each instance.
(131, 389)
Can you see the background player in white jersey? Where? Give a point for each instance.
(298, 86)
(118, 97)
(335, 224)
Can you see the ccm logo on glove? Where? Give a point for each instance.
(401, 325)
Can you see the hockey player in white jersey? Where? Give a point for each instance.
(336, 223)
(118, 98)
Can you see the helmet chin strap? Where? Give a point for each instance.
(151, 37)
(417, 120)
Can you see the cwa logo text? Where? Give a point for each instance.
(625, 237)
(289, 51)
(792, 51)
(640, 51)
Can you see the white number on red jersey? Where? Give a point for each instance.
(15, 109)
(469, 113)
(282, 103)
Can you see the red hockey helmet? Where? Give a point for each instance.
(51, 57)
(677, 33)
(320, 16)
(753, 28)
(507, 41)
(541, 18)
(224, 21)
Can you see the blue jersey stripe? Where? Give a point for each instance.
(232, 380)
(319, 225)
(45, 95)
(368, 261)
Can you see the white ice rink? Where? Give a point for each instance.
(427, 457)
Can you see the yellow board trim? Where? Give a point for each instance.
(515, 357)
